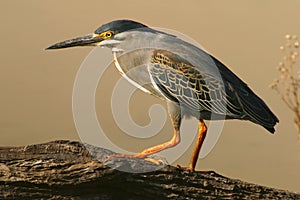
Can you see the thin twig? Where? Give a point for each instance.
(288, 84)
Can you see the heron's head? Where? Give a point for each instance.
(104, 36)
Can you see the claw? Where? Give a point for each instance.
(156, 162)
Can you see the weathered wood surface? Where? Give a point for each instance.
(67, 170)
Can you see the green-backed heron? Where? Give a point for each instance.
(190, 80)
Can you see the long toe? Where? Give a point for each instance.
(185, 168)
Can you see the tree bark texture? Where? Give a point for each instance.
(71, 170)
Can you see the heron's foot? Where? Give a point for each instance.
(140, 156)
(193, 170)
(185, 168)
(117, 155)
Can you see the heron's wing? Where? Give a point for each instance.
(254, 107)
(184, 83)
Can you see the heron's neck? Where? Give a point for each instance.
(117, 64)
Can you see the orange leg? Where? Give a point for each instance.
(173, 142)
(201, 136)
(175, 115)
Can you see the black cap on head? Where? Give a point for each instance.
(119, 26)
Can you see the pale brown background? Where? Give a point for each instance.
(36, 85)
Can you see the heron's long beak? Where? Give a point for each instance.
(87, 40)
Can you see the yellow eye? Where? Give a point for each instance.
(107, 35)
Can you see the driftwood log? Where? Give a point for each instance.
(71, 170)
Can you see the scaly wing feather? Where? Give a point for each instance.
(182, 82)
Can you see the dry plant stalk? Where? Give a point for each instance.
(288, 84)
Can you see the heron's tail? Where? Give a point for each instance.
(257, 111)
